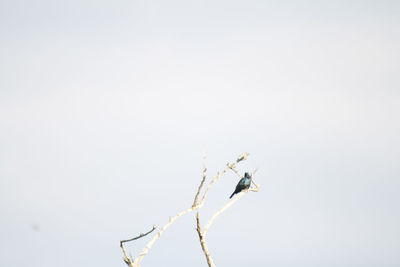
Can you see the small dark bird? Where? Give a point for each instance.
(244, 183)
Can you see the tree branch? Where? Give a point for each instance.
(157, 236)
(202, 234)
(219, 174)
(195, 206)
(255, 186)
(225, 207)
(202, 182)
(126, 258)
(203, 243)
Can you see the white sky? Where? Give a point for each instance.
(105, 107)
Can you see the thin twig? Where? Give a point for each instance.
(139, 236)
(127, 259)
(232, 167)
(255, 189)
(202, 182)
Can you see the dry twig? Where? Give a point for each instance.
(202, 182)
(127, 259)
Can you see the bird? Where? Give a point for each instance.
(244, 183)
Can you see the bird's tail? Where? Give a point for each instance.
(232, 195)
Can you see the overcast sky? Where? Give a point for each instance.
(106, 106)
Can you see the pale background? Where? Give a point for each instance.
(106, 106)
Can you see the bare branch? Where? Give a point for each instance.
(127, 259)
(219, 174)
(201, 184)
(195, 206)
(232, 167)
(157, 236)
(225, 207)
(202, 234)
(242, 157)
(173, 219)
(203, 243)
(255, 186)
(139, 236)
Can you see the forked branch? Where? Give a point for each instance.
(128, 260)
(195, 206)
(202, 234)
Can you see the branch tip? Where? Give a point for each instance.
(242, 157)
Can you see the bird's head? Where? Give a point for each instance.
(246, 175)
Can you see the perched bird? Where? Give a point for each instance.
(244, 183)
